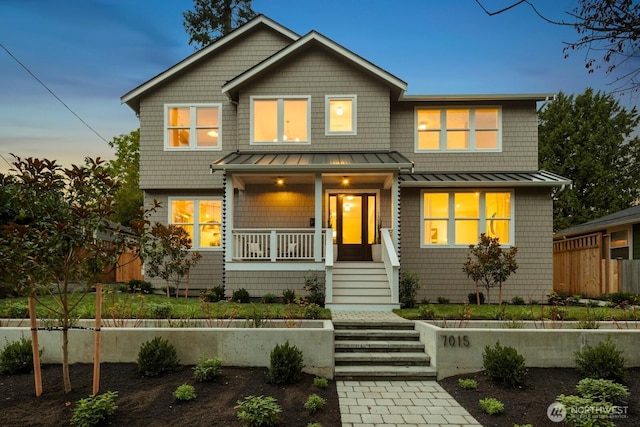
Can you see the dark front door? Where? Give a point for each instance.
(355, 226)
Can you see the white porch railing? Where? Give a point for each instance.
(282, 244)
(391, 263)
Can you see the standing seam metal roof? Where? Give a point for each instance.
(452, 179)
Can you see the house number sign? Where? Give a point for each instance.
(456, 340)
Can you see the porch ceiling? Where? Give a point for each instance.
(336, 162)
(485, 179)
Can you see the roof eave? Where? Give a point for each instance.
(131, 98)
(232, 86)
(314, 167)
(479, 97)
(492, 184)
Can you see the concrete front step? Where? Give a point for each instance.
(359, 282)
(361, 299)
(371, 372)
(362, 306)
(360, 346)
(376, 334)
(361, 292)
(380, 358)
(368, 324)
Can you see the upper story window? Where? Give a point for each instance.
(201, 218)
(457, 218)
(280, 120)
(340, 114)
(192, 126)
(458, 129)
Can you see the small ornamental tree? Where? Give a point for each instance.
(166, 254)
(54, 225)
(489, 265)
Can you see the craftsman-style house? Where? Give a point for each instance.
(285, 155)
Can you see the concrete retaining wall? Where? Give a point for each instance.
(456, 351)
(237, 346)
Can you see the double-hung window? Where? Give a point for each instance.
(340, 114)
(458, 129)
(192, 127)
(619, 244)
(280, 120)
(200, 217)
(457, 218)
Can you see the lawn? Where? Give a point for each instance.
(123, 305)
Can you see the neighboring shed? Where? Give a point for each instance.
(599, 256)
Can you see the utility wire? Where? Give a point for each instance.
(52, 93)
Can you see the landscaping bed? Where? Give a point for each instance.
(149, 401)
(528, 405)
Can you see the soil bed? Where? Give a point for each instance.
(528, 405)
(149, 401)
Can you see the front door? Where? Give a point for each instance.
(355, 225)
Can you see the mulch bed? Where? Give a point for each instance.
(528, 405)
(149, 401)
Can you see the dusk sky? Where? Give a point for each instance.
(91, 52)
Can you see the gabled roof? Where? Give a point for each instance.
(317, 161)
(132, 98)
(484, 179)
(231, 87)
(627, 216)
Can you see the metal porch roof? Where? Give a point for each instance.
(485, 179)
(321, 161)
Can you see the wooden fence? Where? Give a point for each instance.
(579, 268)
(630, 276)
(129, 267)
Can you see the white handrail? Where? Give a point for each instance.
(391, 263)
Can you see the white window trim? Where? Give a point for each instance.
(354, 114)
(280, 116)
(192, 127)
(482, 220)
(443, 129)
(629, 244)
(196, 224)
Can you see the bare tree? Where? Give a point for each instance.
(610, 32)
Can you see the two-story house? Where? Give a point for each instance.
(284, 154)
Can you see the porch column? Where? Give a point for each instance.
(317, 239)
(395, 207)
(228, 225)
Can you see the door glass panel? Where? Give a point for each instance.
(333, 216)
(352, 220)
(371, 226)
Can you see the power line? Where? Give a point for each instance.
(52, 93)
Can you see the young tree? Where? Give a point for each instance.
(489, 265)
(125, 170)
(588, 138)
(166, 254)
(52, 236)
(212, 19)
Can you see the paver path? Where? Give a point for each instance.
(396, 403)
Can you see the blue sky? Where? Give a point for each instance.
(90, 52)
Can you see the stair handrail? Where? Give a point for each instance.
(391, 263)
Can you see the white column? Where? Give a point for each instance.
(228, 206)
(317, 240)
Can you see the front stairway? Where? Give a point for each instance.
(382, 350)
(361, 286)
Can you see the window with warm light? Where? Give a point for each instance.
(458, 129)
(619, 244)
(201, 218)
(192, 127)
(280, 120)
(340, 114)
(458, 218)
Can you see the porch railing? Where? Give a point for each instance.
(282, 244)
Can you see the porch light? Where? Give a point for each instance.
(345, 180)
(279, 180)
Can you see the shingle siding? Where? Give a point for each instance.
(440, 270)
(519, 141)
(200, 84)
(317, 73)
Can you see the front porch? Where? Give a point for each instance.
(286, 214)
